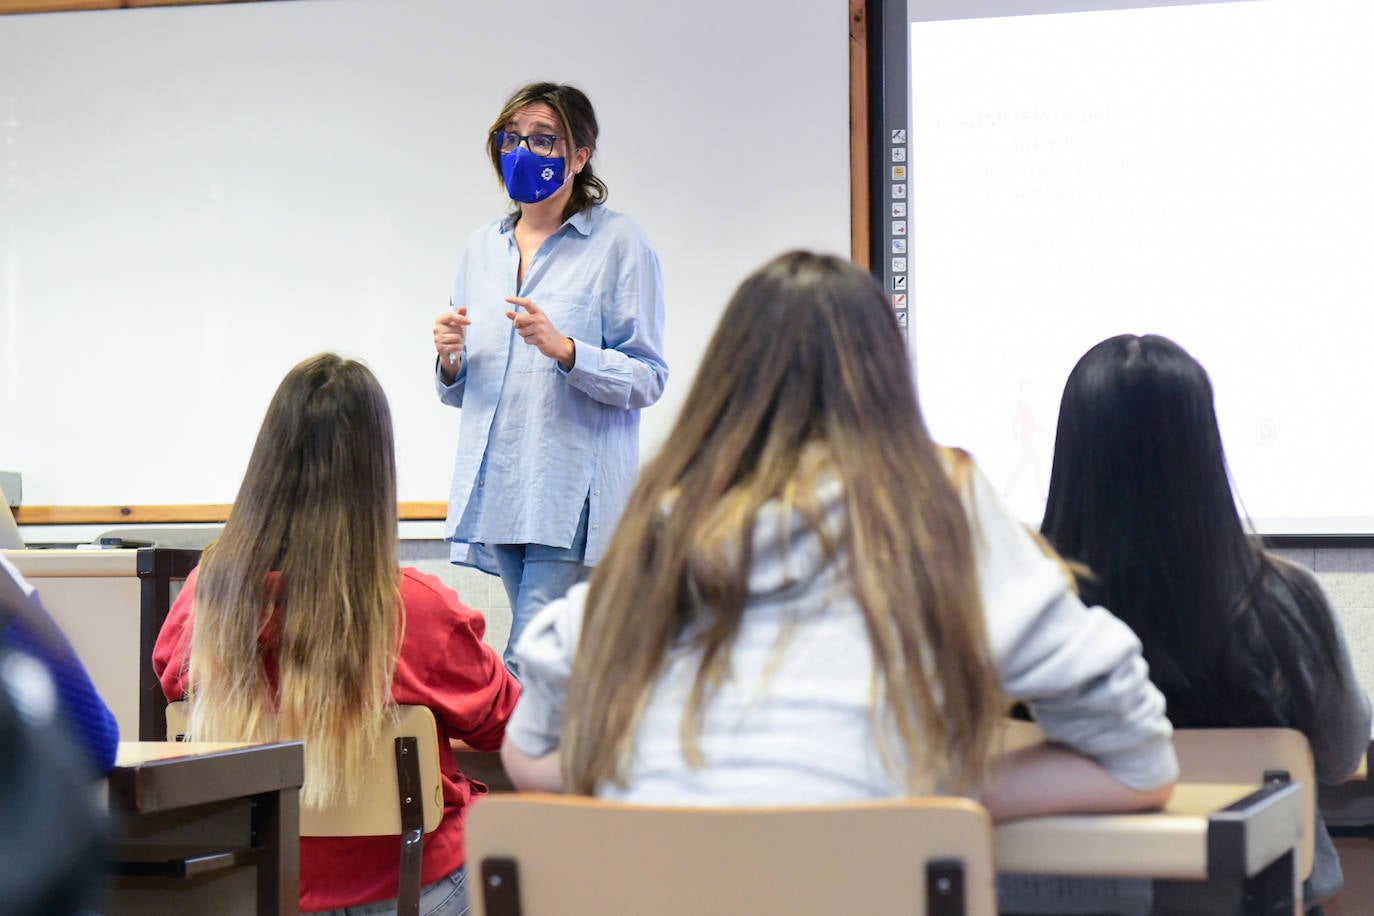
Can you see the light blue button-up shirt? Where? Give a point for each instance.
(536, 441)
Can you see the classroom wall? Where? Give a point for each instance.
(193, 199)
(1347, 574)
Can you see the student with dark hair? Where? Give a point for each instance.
(1235, 636)
(808, 601)
(553, 346)
(298, 624)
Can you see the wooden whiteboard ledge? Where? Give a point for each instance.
(124, 515)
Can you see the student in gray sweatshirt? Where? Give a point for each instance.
(808, 601)
(1140, 497)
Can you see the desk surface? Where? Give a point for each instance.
(164, 775)
(191, 810)
(136, 753)
(49, 563)
(1173, 843)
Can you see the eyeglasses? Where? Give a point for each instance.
(540, 144)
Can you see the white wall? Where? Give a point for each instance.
(192, 199)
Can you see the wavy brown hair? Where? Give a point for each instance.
(807, 377)
(306, 573)
(579, 129)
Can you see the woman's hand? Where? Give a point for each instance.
(537, 330)
(450, 334)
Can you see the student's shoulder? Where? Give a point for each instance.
(1290, 569)
(1295, 582)
(426, 594)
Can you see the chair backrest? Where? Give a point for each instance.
(537, 855)
(1229, 755)
(401, 794)
(377, 810)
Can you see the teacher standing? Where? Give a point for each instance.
(553, 345)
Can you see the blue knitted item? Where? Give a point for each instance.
(95, 724)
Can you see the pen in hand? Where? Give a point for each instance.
(453, 356)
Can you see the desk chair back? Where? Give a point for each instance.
(402, 793)
(539, 855)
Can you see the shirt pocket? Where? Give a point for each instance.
(575, 314)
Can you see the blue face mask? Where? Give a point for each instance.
(530, 178)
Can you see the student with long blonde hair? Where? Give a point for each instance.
(801, 606)
(298, 624)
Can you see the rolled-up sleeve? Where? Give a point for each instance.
(451, 393)
(1079, 669)
(626, 368)
(545, 655)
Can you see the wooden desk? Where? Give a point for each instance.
(1216, 834)
(204, 826)
(111, 605)
(1229, 843)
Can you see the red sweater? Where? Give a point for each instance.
(443, 664)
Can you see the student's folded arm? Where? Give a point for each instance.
(172, 650)
(1337, 723)
(1079, 669)
(472, 689)
(530, 773)
(1045, 779)
(1342, 737)
(1082, 675)
(1340, 734)
(545, 654)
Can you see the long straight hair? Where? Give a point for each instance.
(305, 577)
(806, 379)
(1140, 495)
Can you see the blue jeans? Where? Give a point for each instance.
(446, 897)
(534, 575)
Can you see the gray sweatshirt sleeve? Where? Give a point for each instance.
(1078, 668)
(1340, 732)
(545, 654)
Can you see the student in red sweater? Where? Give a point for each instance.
(299, 625)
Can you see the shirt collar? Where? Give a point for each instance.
(581, 221)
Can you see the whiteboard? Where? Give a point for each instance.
(1197, 170)
(193, 199)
